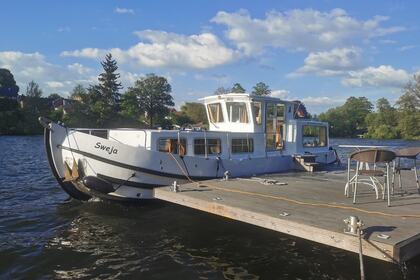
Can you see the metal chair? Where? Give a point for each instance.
(363, 159)
(408, 153)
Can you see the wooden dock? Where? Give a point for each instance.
(313, 206)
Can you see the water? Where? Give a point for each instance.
(44, 237)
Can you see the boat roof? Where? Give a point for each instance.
(239, 96)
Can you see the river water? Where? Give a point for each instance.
(43, 236)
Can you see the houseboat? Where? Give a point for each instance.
(247, 136)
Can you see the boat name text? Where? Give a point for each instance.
(109, 150)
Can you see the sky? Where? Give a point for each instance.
(320, 52)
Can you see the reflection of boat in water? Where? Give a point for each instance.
(248, 135)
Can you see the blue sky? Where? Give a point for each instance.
(320, 52)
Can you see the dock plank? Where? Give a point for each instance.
(250, 201)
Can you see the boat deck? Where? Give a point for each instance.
(312, 206)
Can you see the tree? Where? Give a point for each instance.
(54, 96)
(153, 95)
(237, 88)
(409, 110)
(348, 120)
(382, 124)
(129, 107)
(261, 89)
(7, 81)
(109, 86)
(222, 90)
(33, 90)
(195, 111)
(79, 93)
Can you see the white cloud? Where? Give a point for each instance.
(407, 48)
(64, 29)
(51, 77)
(124, 11)
(321, 101)
(79, 68)
(382, 76)
(280, 93)
(55, 84)
(300, 30)
(163, 49)
(329, 63)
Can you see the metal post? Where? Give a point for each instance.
(362, 268)
(205, 144)
(415, 173)
(387, 184)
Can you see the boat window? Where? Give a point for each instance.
(170, 145)
(256, 108)
(274, 122)
(215, 112)
(242, 145)
(237, 112)
(314, 136)
(213, 146)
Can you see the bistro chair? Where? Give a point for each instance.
(407, 153)
(365, 175)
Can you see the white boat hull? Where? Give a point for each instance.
(135, 171)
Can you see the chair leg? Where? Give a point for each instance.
(374, 187)
(347, 188)
(355, 183)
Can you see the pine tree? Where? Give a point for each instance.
(261, 89)
(237, 88)
(109, 86)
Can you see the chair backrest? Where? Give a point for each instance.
(411, 152)
(373, 156)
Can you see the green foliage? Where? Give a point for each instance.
(153, 96)
(109, 86)
(54, 96)
(7, 80)
(222, 90)
(195, 111)
(409, 110)
(33, 90)
(261, 89)
(348, 120)
(130, 106)
(180, 118)
(237, 88)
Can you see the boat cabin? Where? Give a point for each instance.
(240, 126)
(274, 118)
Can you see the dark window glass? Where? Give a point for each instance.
(213, 146)
(314, 136)
(242, 146)
(170, 145)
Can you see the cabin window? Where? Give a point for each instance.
(237, 112)
(242, 145)
(213, 146)
(215, 112)
(170, 145)
(274, 122)
(256, 108)
(314, 136)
